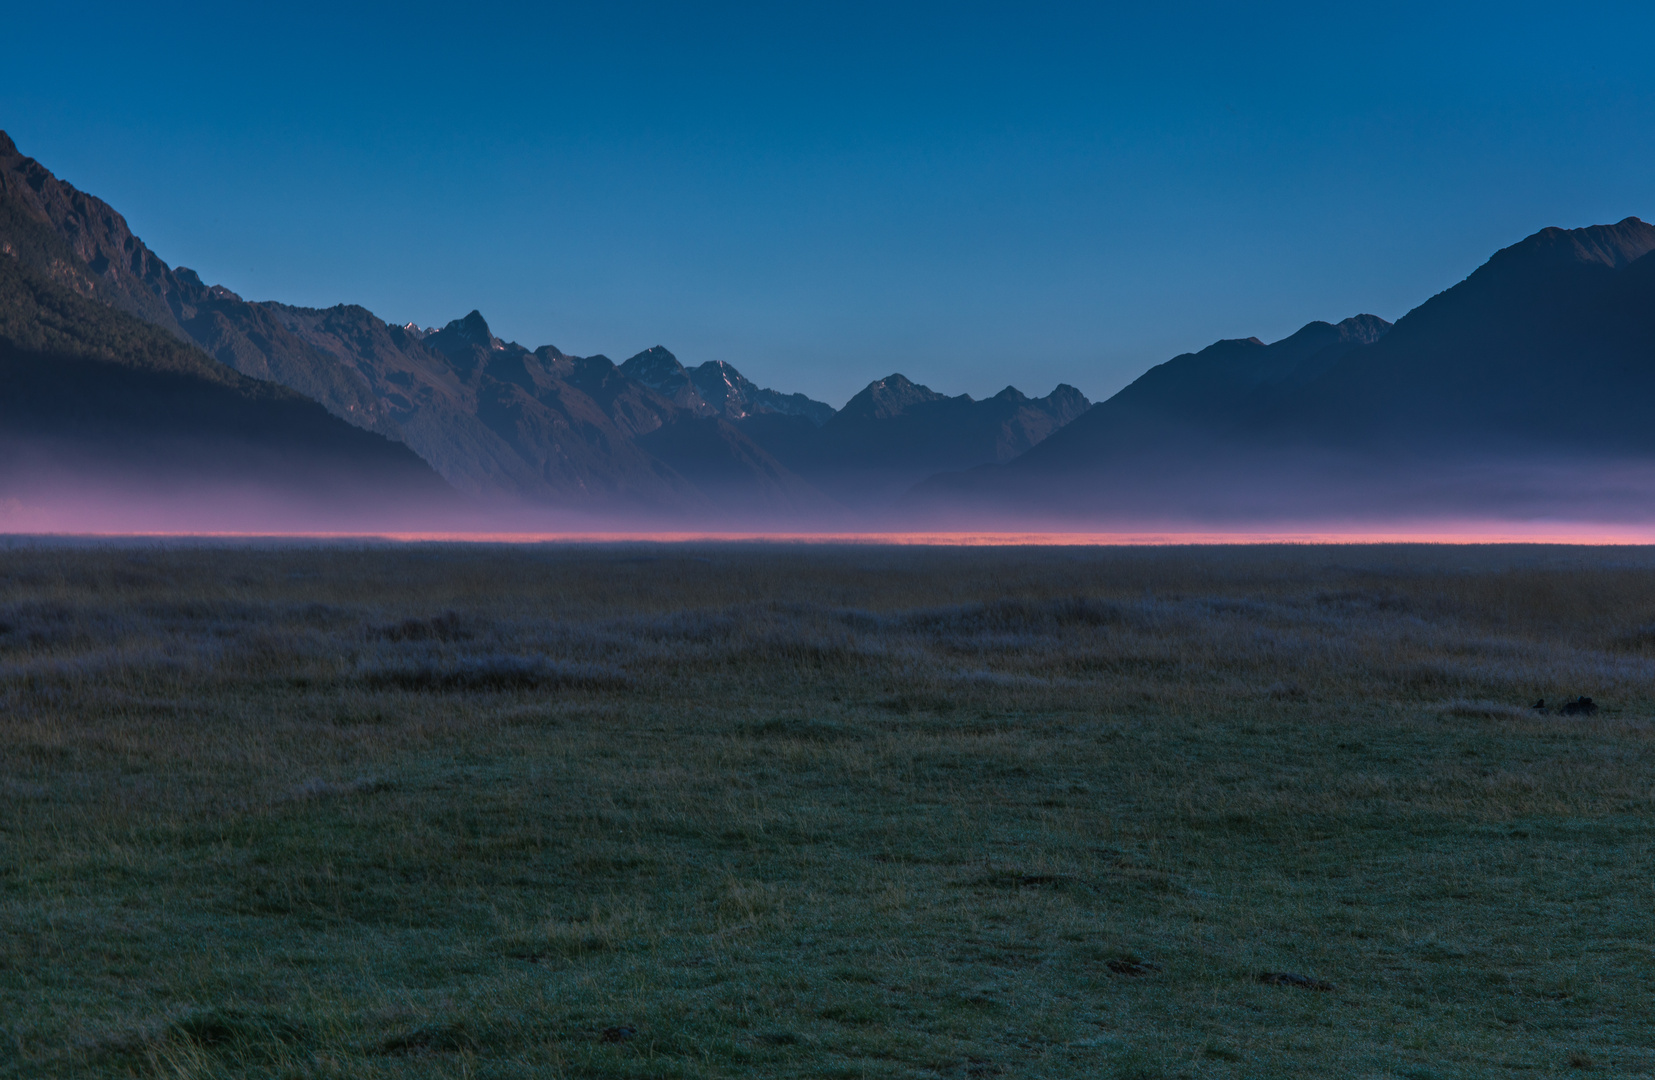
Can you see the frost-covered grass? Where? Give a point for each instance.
(792, 811)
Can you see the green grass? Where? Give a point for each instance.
(825, 812)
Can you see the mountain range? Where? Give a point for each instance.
(508, 425)
(1525, 390)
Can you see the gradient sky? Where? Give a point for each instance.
(971, 194)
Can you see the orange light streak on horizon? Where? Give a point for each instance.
(1578, 534)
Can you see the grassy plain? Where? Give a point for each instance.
(825, 812)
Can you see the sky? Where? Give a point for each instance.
(973, 195)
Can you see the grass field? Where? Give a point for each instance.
(825, 812)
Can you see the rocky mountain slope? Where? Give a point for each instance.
(96, 399)
(105, 261)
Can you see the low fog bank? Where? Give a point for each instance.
(1293, 490)
(42, 492)
(207, 486)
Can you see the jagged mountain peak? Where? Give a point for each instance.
(888, 397)
(1364, 329)
(474, 330)
(656, 368)
(719, 372)
(724, 388)
(737, 397)
(1067, 402)
(193, 279)
(897, 386)
(1318, 335)
(467, 344)
(659, 370)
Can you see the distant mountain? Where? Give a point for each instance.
(1528, 388)
(97, 400)
(895, 433)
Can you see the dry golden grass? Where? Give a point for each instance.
(792, 811)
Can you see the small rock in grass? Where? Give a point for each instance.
(1288, 978)
(1132, 968)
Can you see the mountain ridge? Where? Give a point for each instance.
(497, 420)
(1540, 354)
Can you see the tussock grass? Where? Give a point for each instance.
(743, 810)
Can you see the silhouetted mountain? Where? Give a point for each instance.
(96, 399)
(1522, 389)
(895, 433)
(1549, 346)
(1196, 398)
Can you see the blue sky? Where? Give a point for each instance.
(970, 194)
